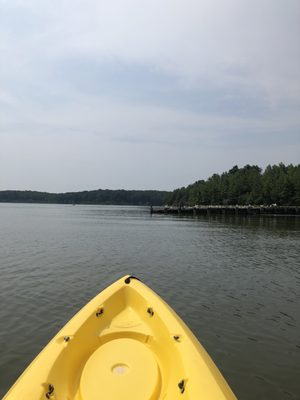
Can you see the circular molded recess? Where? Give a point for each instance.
(121, 369)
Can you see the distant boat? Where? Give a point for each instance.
(125, 344)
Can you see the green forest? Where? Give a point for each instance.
(118, 197)
(277, 184)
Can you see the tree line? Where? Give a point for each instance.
(277, 184)
(114, 197)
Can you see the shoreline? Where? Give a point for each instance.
(272, 210)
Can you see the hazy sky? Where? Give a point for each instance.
(141, 94)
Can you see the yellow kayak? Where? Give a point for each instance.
(125, 344)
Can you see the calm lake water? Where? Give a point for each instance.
(235, 281)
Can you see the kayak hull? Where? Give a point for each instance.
(126, 343)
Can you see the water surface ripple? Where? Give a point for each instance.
(235, 281)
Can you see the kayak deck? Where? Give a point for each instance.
(126, 343)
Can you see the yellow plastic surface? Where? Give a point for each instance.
(125, 344)
(122, 368)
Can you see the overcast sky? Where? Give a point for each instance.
(141, 94)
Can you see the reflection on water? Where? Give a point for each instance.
(234, 280)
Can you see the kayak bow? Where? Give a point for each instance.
(125, 344)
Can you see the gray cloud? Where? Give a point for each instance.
(145, 95)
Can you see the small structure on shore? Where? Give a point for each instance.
(233, 209)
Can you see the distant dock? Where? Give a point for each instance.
(219, 209)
